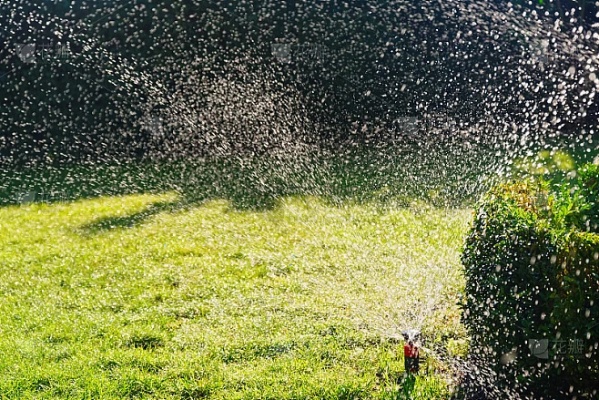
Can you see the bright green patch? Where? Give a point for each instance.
(127, 297)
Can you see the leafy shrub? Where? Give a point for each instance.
(579, 205)
(532, 290)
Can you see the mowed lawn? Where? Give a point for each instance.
(136, 297)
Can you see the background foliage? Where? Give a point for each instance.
(532, 267)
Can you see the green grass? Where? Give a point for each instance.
(145, 296)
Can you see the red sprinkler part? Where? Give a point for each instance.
(412, 357)
(410, 350)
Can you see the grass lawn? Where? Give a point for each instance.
(123, 297)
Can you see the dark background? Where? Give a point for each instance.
(157, 79)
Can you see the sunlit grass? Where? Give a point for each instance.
(127, 297)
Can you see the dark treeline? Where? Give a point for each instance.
(114, 80)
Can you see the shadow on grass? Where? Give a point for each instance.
(391, 178)
(442, 175)
(131, 220)
(245, 196)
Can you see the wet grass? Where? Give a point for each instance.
(396, 175)
(154, 296)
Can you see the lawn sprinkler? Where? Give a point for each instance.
(411, 351)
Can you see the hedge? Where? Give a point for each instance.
(532, 287)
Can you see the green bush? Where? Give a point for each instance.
(532, 269)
